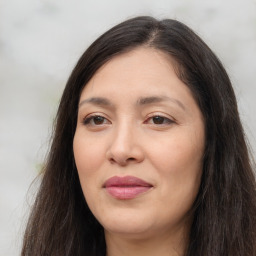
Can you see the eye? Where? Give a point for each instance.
(159, 120)
(95, 120)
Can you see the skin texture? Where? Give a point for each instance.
(130, 137)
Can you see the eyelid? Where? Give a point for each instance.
(87, 119)
(170, 120)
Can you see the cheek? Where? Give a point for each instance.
(178, 162)
(176, 154)
(88, 152)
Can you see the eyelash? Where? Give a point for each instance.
(163, 120)
(89, 119)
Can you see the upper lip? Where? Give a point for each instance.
(126, 181)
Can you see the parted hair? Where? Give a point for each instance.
(224, 212)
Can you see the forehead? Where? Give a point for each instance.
(142, 68)
(143, 58)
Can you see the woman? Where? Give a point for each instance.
(148, 155)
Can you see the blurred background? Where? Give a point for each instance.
(40, 42)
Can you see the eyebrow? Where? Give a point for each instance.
(141, 101)
(159, 99)
(96, 101)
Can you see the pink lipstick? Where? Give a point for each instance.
(127, 187)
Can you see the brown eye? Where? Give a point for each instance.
(95, 120)
(158, 119)
(98, 120)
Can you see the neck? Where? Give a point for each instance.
(159, 244)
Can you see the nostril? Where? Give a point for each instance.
(131, 159)
(122, 162)
(124, 156)
(112, 160)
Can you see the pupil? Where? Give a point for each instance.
(158, 120)
(98, 120)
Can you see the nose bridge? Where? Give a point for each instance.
(124, 145)
(123, 137)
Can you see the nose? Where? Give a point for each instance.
(125, 147)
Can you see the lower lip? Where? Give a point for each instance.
(126, 192)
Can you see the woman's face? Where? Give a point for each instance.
(139, 145)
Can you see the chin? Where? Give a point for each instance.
(126, 223)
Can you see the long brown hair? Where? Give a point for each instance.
(224, 211)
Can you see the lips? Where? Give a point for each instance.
(127, 187)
